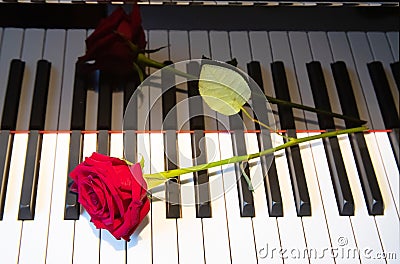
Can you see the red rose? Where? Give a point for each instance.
(110, 51)
(113, 193)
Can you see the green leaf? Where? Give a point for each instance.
(142, 163)
(154, 180)
(223, 89)
(127, 162)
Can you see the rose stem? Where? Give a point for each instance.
(176, 172)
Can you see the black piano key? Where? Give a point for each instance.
(78, 100)
(196, 114)
(320, 94)
(286, 119)
(104, 113)
(369, 183)
(345, 92)
(395, 66)
(39, 103)
(130, 107)
(129, 89)
(6, 142)
(172, 194)
(31, 177)
(37, 122)
(130, 122)
(298, 178)
(246, 202)
(13, 93)
(103, 142)
(169, 114)
(201, 178)
(383, 94)
(273, 195)
(394, 136)
(104, 102)
(72, 207)
(340, 181)
(271, 182)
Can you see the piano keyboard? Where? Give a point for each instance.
(323, 235)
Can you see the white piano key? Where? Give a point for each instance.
(240, 48)
(10, 49)
(75, 46)
(164, 232)
(240, 229)
(31, 53)
(60, 250)
(301, 55)
(393, 38)
(220, 51)
(281, 52)
(315, 226)
(111, 249)
(261, 52)
(189, 228)
(215, 229)
(86, 239)
(364, 227)
(199, 45)
(339, 226)
(10, 226)
(58, 227)
(32, 37)
(391, 169)
(190, 235)
(361, 220)
(156, 39)
(36, 230)
(241, 238)
(179, 51)
(266, 233)
(388, 223)
(140, 245)
(265, 228)
(290, 226)
(363, 55)
(381, 52)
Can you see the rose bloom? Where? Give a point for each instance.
(110, 51)
(112, 192)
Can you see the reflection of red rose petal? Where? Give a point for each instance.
(109, 52)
